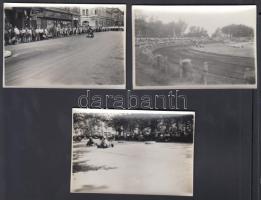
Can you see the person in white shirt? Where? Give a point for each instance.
(41, 32)
(37, 34)
(17, 34)
(28, 35)
(58, 31)
(23, 36)
(45, 34)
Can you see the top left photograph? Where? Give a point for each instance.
(64, 46)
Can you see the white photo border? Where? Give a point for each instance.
(72, 86)
(192, 86)
(149, 112)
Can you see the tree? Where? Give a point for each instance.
(180, 27)
(217, 33)
(197, 31)
(140, 27)
(239, 30)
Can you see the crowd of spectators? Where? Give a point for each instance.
(174, 133)
(182, 133)
(14, 35)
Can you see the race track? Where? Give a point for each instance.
(133, 168)
(223, 69)
(74, 61)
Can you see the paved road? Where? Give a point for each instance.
(74, 61)
(133, 168)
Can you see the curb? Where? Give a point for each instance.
(7, 54)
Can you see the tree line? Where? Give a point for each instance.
(160, 128)
(156, 28)
(235, 30)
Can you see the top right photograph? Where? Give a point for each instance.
(194, 47)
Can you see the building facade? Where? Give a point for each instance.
(118, 17)
(101, 17)
(42, 17)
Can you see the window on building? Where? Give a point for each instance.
(87, 12)
(83, 12)
(95, 12)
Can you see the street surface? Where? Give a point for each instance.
(223, 69)
(133, 168)
(74, 61)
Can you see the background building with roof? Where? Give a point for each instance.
(101, 17)
(42, 17)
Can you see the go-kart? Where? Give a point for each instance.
(90, 34)
(105, 144)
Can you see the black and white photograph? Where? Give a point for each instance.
(64, 45)
(194, 47)
(132, 152)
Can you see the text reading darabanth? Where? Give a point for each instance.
(172, 100)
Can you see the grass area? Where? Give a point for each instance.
(243, 49)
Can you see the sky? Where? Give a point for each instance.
(208, 17)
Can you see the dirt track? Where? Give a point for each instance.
(133, 168)
(223, 69)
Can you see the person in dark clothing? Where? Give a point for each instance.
(90, 32)
(90, 142)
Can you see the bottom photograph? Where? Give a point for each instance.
(132, 152)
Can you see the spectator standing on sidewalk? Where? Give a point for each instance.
(41, 32)
(13, 38)
(23, 35)
(33, 34)
(17, 34)
(28, 35)
(58, 31)
(37, 34)
(45, 33)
